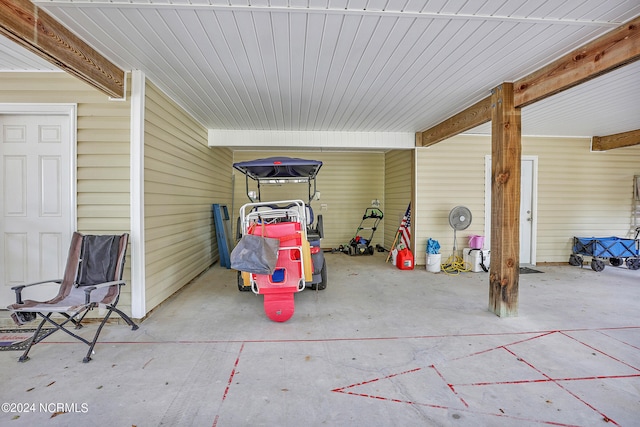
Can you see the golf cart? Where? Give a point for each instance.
(296, 214)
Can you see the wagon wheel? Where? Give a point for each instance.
(633, 263)
(575, 260)
(616, 262)
(597, 264)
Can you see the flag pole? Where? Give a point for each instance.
(403, 223)
(393, 245)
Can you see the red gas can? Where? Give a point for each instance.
(404, 261)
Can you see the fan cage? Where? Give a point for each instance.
(455, 216)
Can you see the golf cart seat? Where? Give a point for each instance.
(265, 208)
(92, 278)
(314, 232)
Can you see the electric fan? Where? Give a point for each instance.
(459, 219)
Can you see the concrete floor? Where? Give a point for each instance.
(378, 347)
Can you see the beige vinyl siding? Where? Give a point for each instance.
(102, 150)
(183, 177)
(103, 168)
(581, 193)
(348, 182)
(398, 165)
(102, 144)
(449, 174)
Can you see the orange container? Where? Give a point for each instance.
(404, 261)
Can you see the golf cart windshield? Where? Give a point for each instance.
(280, 170)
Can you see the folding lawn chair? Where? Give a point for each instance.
(92, 278)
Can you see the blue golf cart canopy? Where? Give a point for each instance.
(279, 168)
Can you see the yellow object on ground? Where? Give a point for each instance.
(306, 260)
(246, 278)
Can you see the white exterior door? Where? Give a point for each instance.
(527, 238)
(37, 202)
(528, 200)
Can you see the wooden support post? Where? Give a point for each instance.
(506, 149)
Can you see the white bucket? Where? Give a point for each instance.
(433, 262)
(394, 256)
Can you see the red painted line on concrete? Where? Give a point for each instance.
(409, 337)
(351, 393)
(578, 398)
(600, 351)
(341, 389)
(226, 390)
(597, 377)
(503, 345)
(548, 380)
(489, 383)
(451, 386)
(233, 373)
(618, 339)
(466, 410)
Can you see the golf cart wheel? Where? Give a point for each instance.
(241, 286)
(575, 260)
(616, 262)
(370, 250)
(597, 264)
(323, 279)
(633, 263)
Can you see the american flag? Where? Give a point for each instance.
(405, 228)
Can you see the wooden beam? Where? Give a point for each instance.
(614, 49)
(506, 153)
(618, 140)
(477, 114)
(31, 27)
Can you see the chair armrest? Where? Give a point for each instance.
(89, 289)
(18, 289)
(58, 281)
(103, 285)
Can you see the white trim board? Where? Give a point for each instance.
(138, 283)
(311, 139)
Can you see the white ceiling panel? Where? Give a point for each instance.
(353, 65)
(15, 58)
(603, 106)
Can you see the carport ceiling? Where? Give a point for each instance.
(354, 65)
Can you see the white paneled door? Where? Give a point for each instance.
(528, 206)
(36, 203)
